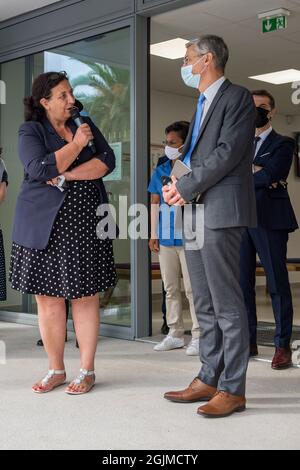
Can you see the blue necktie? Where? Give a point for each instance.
(196, 129)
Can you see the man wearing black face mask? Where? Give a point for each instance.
(271, 165)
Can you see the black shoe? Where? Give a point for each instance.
(164, 329)
(253, 350)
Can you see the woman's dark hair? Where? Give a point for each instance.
(41, 88)
(180, 127)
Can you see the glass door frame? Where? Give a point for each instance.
(139, 143)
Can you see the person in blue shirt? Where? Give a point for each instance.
(164, 328)
(166, 241)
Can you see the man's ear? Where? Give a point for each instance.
(273, 112)
(209, 58)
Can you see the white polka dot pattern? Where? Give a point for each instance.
(76, 263)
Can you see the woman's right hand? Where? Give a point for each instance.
(83, 135)
(154, 245)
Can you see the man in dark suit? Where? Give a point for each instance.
(219, 151)
(276, 218)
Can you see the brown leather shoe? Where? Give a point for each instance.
(221, 405)
(196, 391)
(282, 359)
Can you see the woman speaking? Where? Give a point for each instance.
(56, 253)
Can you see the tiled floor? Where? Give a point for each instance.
(126, 409)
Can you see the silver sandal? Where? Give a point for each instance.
(79, 379)
(44, 382)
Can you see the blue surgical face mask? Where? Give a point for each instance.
(190, 79)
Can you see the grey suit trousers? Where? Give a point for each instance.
(220, 309)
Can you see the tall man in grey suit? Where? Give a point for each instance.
(219, 150)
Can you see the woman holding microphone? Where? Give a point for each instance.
(56, 254)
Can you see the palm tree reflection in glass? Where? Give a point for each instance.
(108, 102)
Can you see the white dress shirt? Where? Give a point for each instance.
(210, 94)
(263, 137)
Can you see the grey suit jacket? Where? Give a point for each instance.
(221, 162)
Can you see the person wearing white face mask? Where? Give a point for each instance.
(167, 243)
(219, 152)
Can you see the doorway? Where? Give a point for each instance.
(252, 53)
(99, 70)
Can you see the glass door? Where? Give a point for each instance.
(99, 72)
(11, 117)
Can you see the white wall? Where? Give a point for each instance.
(167, 108)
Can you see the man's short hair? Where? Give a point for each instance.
(265, 93)
(180, 127)
(213, 44)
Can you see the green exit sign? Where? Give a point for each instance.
(274, 24)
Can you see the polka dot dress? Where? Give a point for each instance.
(2, 270)
(75, 263)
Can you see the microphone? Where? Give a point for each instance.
(78, 121)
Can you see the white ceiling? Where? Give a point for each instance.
(10, 8)
(251, 52)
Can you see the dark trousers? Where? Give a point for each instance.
(271, 247)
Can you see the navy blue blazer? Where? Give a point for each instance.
(38, 203)
(274, 208)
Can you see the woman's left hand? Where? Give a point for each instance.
(66, 174)
(53, 182)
